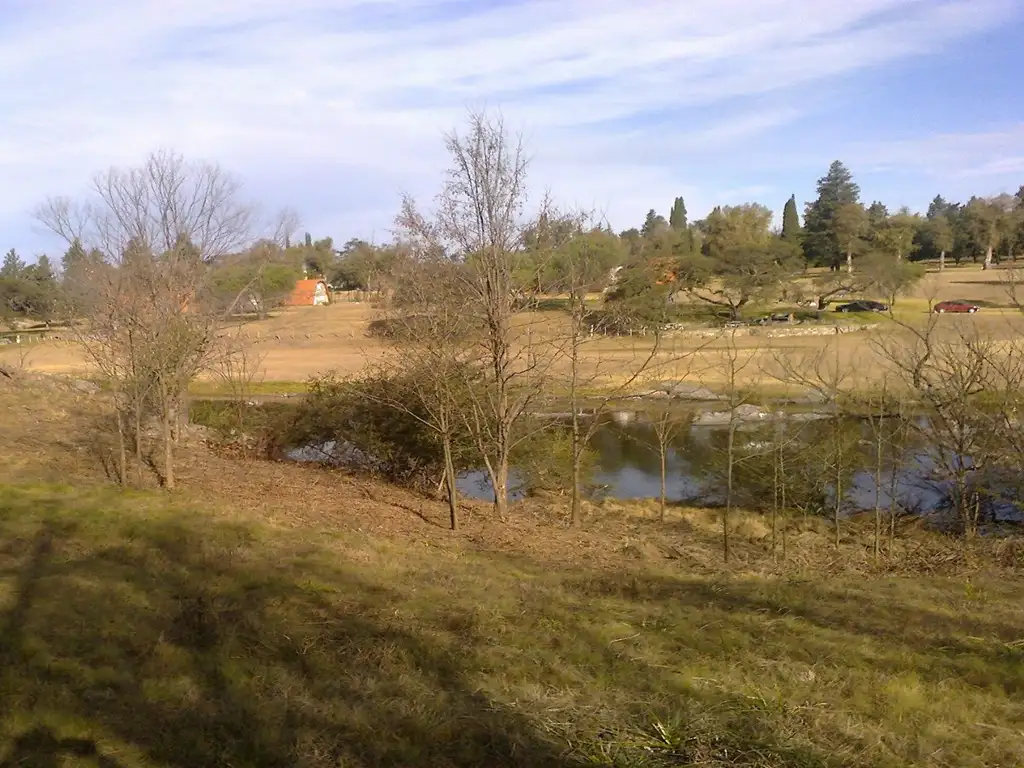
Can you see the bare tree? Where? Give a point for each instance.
(157, 228)
(887, 417)
(734, 361)
(827, 373)
(667, 425)
(579, 265)
(238, 366)
(436, 361)
(967, 386)
(479, 223)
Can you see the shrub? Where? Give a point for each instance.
(380, 418)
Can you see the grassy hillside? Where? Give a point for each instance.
(271, 614)
(136, 630)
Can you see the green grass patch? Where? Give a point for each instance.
(138, 631)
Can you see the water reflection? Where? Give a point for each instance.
(814, 456)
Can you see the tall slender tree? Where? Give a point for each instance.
(821, 238)
(677, 216)
(791, 231)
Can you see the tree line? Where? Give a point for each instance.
(731, 259)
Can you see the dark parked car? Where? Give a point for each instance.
(955, 306)
(863, 305)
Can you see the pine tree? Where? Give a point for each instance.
(939, 207)
(791, 222)
(835, 189)
(73, 257)
(877, 214)
(653, 224)
(12, 267)
(43, 270)
(677, 216)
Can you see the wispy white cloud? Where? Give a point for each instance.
(342, 103)
(996, 157)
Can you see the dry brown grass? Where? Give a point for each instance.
(274, 614)
(299, 343)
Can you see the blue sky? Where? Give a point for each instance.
(336, 107)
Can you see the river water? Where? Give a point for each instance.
(815, 455)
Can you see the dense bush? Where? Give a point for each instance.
(379, 422)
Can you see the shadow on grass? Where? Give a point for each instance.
(186, 647)
(134, 633)
(832, 621)
(40, 748)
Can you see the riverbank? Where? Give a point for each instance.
(274, 613)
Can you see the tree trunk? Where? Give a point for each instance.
(849, 262)
(449, 480)
(168, 448)
(500, 479)
(839, 499)
(782, 499)
(988, 258)
(138, 437)
(878, 488)
(775, 501)
(577, 447)
(942, 260)
(122, 454)
(728, 492)
(181, 419)
(662, 451)
(576, 512)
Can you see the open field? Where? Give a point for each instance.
(278, 615)
(299, 343)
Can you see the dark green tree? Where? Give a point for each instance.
(27, 290)
(878, 213)
(982, 222)
(677, 216)
(12, 267)
(936, 237)
(821, 241)
(940, 207)
(653, 224)
(73, 258)
(791, 231)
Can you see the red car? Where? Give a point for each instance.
(955, 306)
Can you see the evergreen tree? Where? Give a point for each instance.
(42, 271)
(937, 238)
(877, 215)
(12, 267)
(791, 221)
(653, 224)
(939, 207)
(72, 258)
(835, 189)
(677, 216)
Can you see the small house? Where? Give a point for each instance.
(309, 293)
